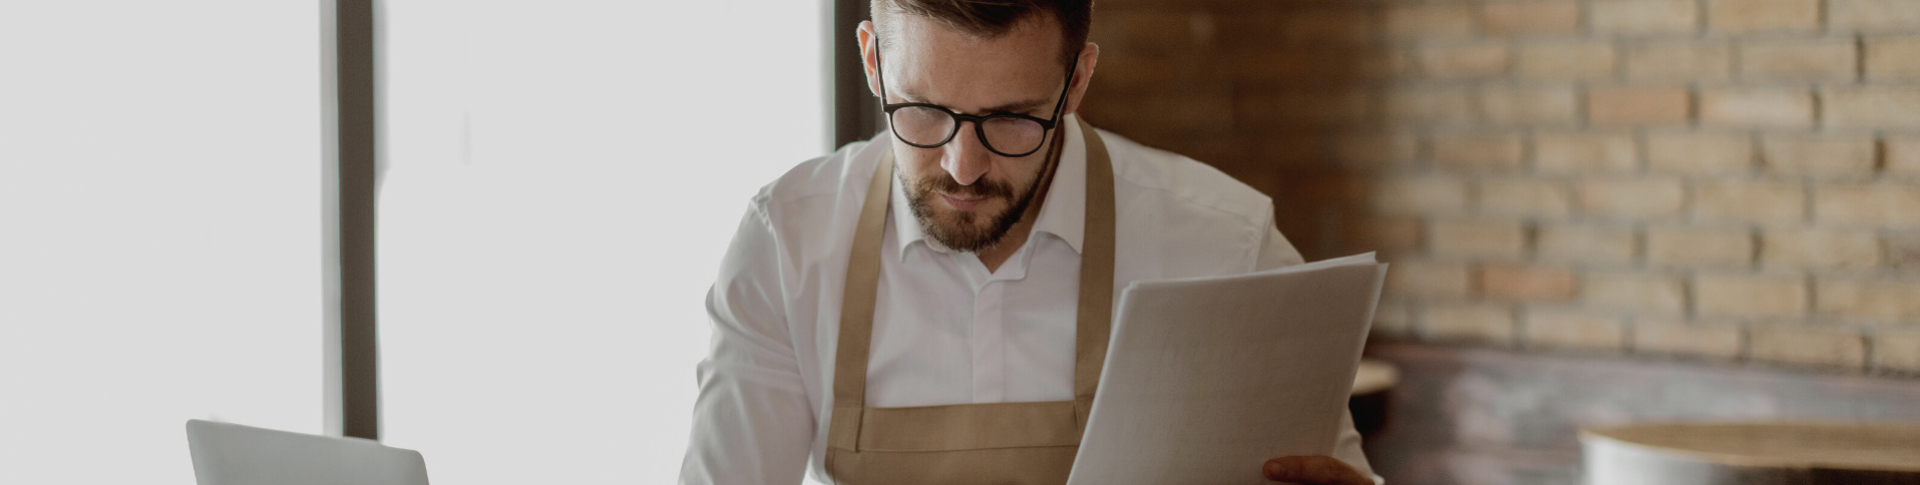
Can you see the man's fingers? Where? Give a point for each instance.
(1319, 470)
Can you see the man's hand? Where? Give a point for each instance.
(1315, 470)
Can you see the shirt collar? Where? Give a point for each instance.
(1062, 215)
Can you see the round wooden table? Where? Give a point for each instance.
(1752, 453)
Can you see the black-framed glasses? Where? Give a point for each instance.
(928, 125)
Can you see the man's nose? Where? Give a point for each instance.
(966, 158)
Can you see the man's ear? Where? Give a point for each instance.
(869, 62)
(1082, 76)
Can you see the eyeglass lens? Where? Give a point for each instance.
(923, 125)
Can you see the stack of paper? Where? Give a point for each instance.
(1208, 378)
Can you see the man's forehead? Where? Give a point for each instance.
(1031, 39)
(935, 64)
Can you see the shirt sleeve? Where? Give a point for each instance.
(752, 422)
(1277, 252)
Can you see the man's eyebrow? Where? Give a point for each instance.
(909, 96)
(1019, 106)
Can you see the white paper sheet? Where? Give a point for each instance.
(1208, 378)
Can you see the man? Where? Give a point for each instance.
(932, 305)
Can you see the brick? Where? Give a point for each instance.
(1750, 296)
(1893, 58)
(1258, 29)
(1586, 244)
(1897, 352)
(1566, 61)
(1689, 246)
(1464, 61)
(1400, 234)
(1317, 106)
(1374, 150)
(1640, 293)
(1820, 249)
(1427, 279)
(1334, 25)
(1757, 107)
(1808, 60)
(1903, 155)
(1148, 31)
(1429, 106)
(1584, 152)
(1275, 64)
(1871, 15)
(1561, 329)
(1529, 283)
(1699, 153)
(1631, 198)
(1872, 107)
(1903, 251)
(1809, 346)
(1289, 150)
(1679, 61)
(1525, 197)
(1763, 15)
(1429, 21)
(1501, 240)
(1558, 17)
(1365, 63)
(1750, 201)
(1392, 320)
(1474, 323)
(1874, 204)
(1478, 151)
(1330, 187)
(1426, 195)
(1713, 341)
(1826, 156)
(1637, 105)
(1529, 106)
(1879, 300)
(1644, 16)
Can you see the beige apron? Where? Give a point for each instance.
(1016, 443)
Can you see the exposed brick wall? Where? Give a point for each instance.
(1725, 180)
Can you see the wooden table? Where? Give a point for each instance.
(1783, 453)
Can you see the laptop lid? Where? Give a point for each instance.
(232, 454)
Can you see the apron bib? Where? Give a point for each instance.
(1016, 443)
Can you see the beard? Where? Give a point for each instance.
(969, 231)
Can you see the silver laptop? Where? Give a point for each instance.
(231, 454)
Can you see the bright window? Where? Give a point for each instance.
(160, 231)
(562, 178)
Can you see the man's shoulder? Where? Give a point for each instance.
(1179, 179)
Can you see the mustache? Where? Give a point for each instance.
(982, 189)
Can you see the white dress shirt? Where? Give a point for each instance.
(945, 330)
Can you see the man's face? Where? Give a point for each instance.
(965, 196)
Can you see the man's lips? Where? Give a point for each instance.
(965, 203)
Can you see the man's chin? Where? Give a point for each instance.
(965, 231)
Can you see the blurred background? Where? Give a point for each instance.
(1596, 211)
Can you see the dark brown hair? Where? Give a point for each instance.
(992, 18)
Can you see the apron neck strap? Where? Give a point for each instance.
(1093, 317)
(1094, 322)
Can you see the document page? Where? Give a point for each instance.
(1208, 378)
